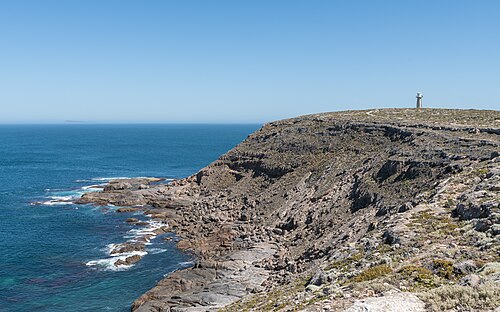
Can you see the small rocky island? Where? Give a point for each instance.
(377, 210)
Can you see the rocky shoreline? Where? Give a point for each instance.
(134, 249)
(332, 211)
(226, 276)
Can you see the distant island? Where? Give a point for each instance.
(74, 121)
(374, 210)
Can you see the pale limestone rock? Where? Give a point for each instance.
(391, 302)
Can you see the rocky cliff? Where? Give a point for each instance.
(391, 209)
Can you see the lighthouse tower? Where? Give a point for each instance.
(419, 100)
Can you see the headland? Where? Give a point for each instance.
(388, 209)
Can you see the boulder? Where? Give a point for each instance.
(127, 247)
(319, 278)
(312, 288)
(482, 225)
(465, 267)
(391, 238)
(470, 280)
(495, 229)
(126, 209)
(390, 168)
(383, 211)
(128, 261)
(472, 210)
(491, 268)
(405, 207)
(118, 185)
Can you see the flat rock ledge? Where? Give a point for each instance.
(210, 285)
(391, 302)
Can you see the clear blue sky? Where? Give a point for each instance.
(242, 61)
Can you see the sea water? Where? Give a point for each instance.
(54, 254)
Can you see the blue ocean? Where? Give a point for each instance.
(54, 254)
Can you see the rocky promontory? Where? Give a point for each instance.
(378, 210)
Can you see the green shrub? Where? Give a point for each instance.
(419, 276)
(373, 273)
(443, 268)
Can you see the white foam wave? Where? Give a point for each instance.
(109, 178)
(155, 251)
(147, 233)
(109, 248)
(141, 236)
(65, 197)
(62, 198)
(56, 202)
(186, 263)
(94, 187)
(108, 264)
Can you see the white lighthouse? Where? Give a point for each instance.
(419, 100)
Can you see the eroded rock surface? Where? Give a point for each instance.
(391, 302)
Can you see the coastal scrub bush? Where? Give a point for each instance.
(450, 297)
(447, 227)
(418, 276)
(482, 171)
(373, 273)
(443, 268)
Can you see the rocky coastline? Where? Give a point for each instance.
(356, 211)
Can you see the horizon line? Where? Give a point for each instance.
(129, 123)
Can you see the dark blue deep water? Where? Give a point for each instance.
(54, 256)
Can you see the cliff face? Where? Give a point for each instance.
(305, 211)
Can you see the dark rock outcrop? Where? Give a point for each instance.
(128, 261)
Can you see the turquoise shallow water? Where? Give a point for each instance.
(47, 250)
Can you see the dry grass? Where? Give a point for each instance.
(462, 298)
(419, 277)
(373, 273)
(443, 268)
